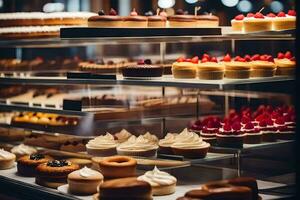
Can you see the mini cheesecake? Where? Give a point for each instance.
(286, 64)
(237, 24)
(210, 69)
(185, 68)
(284, 21)
(257, 23)
(106, 21)
(231, 136)
(239, 68)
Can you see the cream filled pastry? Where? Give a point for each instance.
(104, 145)
(22, 150)
(137, 146)
(123, 135)
(190, 144)
(161, 182)
(7, 159)
(84, 181)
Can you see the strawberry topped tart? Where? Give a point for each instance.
(237, 23)
(185, 67)
(286, 64)
(268, 130)
(257, 22)
(231, 135)
(239, 67)
(252, 134)
(284, 21)
(210, 69)
(262, 66)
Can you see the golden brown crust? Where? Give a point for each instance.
(25, 160)
(118, 161)
(262, 65)
(135, 18)
(45, 170)
(235, 65)
(106, 18)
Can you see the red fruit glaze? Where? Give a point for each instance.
(281, 14)
(227, 58)
(288, 55)
(292, 12)
(195, 60)
(280, 55)
(250, 15)
(259, 16)
(239, 17)
(271, 15)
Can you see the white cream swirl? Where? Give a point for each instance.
(23, 150)
(87, 172)
(136, 144)
(123, 135)
(157, 178)
(152, 138)
(189, 140)
(102, 142)
(168, 140)
(5, 154)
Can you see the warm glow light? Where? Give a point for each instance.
(191, 1)
(244, 6)
(53, 7)
(276, 6)
(166, 3)
(230, 3)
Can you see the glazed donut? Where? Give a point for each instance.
(118, 167)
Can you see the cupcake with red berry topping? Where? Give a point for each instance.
(237, 24)
(239, 68)
(210, 131)
(257, 22)
(185, 68)
(262, 66)
(284, 132)
(196, 126)
(231, 136)
(285, 21)
(252, 135)
(210, 69)
(286, 64)
(268, 130)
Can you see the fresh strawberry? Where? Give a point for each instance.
(281, 14)
(195, 60)
(112, 12)
(263, 57)
(181, 59)
(239, 17)
(213, 59)
(247, 57)
(241, 59)
(280, 55)
(204, 60)
(227, 58)
(292, 13)
(271, 15)
(293, 59)
(255, 57)
(249, 126)
(250, 15)
(288, 55)
(206, 56)
(258, 15)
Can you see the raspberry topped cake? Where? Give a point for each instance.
(252, 134)
(231, 135)
(286, 64)
(284, 21)
(196, 126)
(210, 129)
(268, 130)
(237, 23)
(262, 66)
(284, 132)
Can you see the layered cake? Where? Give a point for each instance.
(210, 129)
(135, 20)
(143, 70)
(252, 134)
(262, 66)
(180, 19)
(286, 64)
(102, 20)
(231, 135)
(237, 23)
(257, 22)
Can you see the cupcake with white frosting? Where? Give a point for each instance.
(137, 146)
(104, 145)
(22, 150)
(162, 183)
(165, 143)
(152, 138)
(190, 145)
(84, 181)
(7, 159)
(123, 136)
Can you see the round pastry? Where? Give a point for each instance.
(144, 69)
(210, 69)
(21, 19)
(7, 159)
(151, 138)
(118, 166)
(157, 21)
(283, 130)
(185, 68)
(109, 21)
(252, 135)
(286, 64)
(135, 20)
(81, 162)
(26, 165)
(125, 188)
(268, 130)
(240, 68)
(190, 145)
(84, 181)
(54, 173)
(231, 135)
(207, 20)
(161, 182)
(166, 143)
(182, 20)
(104, 145)
(262, 66)
(210, 130)
(22, 150)
(123, 136)
(284, 21)
(237, 24)
(257, 23)
(137, 146)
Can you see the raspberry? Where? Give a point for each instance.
(227, 127)
(206, 56)
(255, 57)
(250, 15)
(288, 55)
(263, 123)
(271, 15)
(292, 13)
(204, 60)
(213, 59)
(210, 124)
(280, 121)
(269, 122)
(245, 120)
(247, 57)
(249, 125)
(236, 126)
(239, 17)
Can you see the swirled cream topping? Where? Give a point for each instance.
(23, 150)
(168, 140)
(136, 144)
(123, 135)
(152, 138)
(189, 140)
(5, 154)
(87, 172)
(102, 142)
(157, 178)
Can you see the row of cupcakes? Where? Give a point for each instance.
(209, 68)
(259, 22)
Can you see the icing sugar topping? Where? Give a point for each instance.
(157, 178)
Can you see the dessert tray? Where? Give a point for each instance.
(86, 32)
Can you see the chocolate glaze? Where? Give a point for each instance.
(136, 18)
(157, 18)
(105, 18)
(183, 18)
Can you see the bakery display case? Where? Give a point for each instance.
(178, 108)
